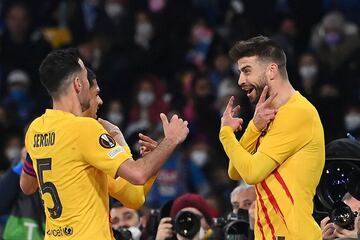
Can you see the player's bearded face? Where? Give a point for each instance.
(259, 86)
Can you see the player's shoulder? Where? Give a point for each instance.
(85, 122)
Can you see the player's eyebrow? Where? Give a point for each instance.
(244, 68)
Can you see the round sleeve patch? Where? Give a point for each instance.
(107, 141)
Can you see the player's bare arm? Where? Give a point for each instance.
(138, 172)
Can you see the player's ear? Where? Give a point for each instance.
(77, 84)
(272, 71)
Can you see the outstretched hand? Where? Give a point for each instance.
(264, 111)
(228, 118)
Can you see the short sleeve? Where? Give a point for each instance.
(99, 149)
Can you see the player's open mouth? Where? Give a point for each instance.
(248, 90)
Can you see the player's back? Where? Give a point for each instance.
(74, 192)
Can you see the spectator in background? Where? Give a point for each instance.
(177, 176)
(352, 120)
(188, 202)
(115, 113)
(332, 231)
(22, 45)
(12, 150)
(242, 197)
(222, 69)
(18, 97)
(334, 40)
(123, 218)
(200, 110)
(147, 104)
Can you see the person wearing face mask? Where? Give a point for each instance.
(147, 103)
(309, 74)
(115, 113)
(352, 120)
(143, 30)
(125, 221)
(18, 97)
(333, 41)
(195, 204)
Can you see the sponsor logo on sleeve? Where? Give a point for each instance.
(106, 141)
(113, 153)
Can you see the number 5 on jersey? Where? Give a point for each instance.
(44, 164)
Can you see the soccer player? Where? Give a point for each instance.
(72, 155)
(130, 195)
(282, 150)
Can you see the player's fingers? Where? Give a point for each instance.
(147, 139)
(270, 99)
(164, 119)
(174, 117)
(186, 123)
(147, 144)
(229, 106)
(235, 110)
(263, 94)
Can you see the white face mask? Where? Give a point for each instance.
(308, 71)
(135, 233)
(144, 32)
(115, 118)
(13, 153)
(199, 157)
(114, 9)
(145, 98)
(352, 121)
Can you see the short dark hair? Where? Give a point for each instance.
(56, 68)
(261, 47)
(91, 76)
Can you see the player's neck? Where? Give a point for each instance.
(284, 92)
(67, 104)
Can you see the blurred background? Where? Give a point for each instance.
(153, 56)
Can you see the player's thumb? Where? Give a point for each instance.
(164, 119)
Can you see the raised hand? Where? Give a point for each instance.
(264, 112)
(147, 144)
(176, 129)
(228, 118)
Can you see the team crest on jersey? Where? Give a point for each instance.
(106, 141)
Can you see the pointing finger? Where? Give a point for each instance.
(263, 94)
(270, 99)
(230, 104)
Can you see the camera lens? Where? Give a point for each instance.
(122, 234)
(342, 215)
(333, 183)
(187, 224)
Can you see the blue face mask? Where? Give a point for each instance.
(18, 95)
(332, 38)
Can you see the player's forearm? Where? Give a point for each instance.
(140, 171)
(252, 168)
(250, 137)
(130, 195)
(152, 162)
(28, 184)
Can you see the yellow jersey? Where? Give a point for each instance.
(72, 157)
(295, 141)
